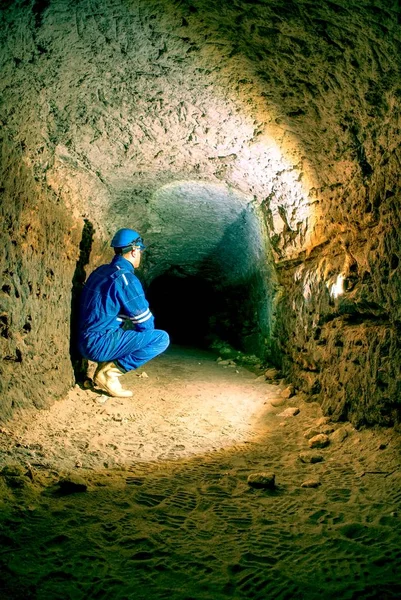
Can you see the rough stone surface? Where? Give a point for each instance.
(37, 267)
(255, 146)
(13, 470)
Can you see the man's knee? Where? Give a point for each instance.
(163, 340)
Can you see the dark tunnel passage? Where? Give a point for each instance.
(198, 312)
(184, 306)
(79, 365)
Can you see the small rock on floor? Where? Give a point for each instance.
(323, 421)
(278, 402)
(311, 483)
(72, 484)
(272, 374)
(310, 457)
(288, 392)
(310, 433)
(327, 429)
(319, 441)
(339, 435)
(262, 480)
(261, 378)
(291, 411)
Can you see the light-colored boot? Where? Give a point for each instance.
(107, 378)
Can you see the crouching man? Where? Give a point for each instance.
(116, 327)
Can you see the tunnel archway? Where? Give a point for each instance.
(208, 259)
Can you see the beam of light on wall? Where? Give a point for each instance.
(337, 288)
(281, 186)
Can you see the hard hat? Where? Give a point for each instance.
(127, 238)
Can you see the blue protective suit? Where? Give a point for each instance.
(115, 322)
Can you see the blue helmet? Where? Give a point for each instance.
(127, 238)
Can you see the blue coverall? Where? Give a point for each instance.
(115, 322)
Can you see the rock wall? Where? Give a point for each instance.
(343, 300)
(37, 264)
(292, 106)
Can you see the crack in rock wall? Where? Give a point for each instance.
(112, 112)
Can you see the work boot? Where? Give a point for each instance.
(106, 377)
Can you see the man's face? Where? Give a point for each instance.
(136, 255)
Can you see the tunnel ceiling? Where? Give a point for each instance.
(205, 229)
(278, 99)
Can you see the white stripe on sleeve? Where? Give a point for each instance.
(145, 318)
(137, 318)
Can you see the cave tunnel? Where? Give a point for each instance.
(207, 266)
(196, 313)
(255, 145)
(276, 124)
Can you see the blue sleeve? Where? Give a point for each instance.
(134, 306)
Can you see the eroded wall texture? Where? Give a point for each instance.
(256, 146)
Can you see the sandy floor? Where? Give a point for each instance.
(168, 511)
